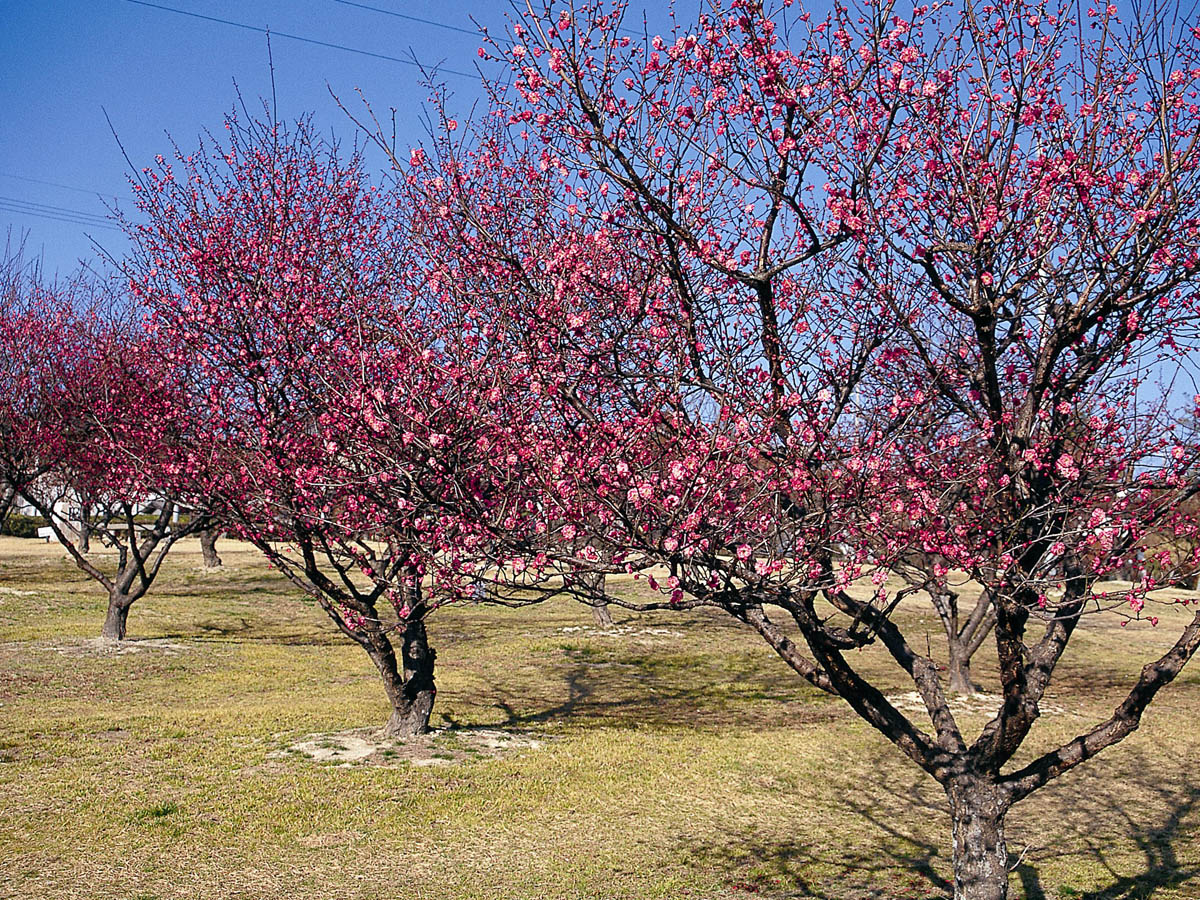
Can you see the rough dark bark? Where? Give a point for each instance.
(787, 649)
(380, 649)
(409, 686)
(116, 617)
(407, 680)
(208, 548)
(1125, 719)
(411, 691)
(419, 688)
(977, 810)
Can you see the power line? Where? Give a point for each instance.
(68, 216)
(57, 184)
(98, 219)
(473, 32)
(400, 15)
(293, 37)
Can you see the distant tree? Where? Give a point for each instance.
(939, 452)
(18, 278)
(85, 428)
(7, 495)
(593, 589)
(208, 547)
(331, 409)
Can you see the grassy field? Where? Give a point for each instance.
(679, 758)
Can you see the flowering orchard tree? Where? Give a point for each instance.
(329, 422)
(29, 345)
(86, 425)
(16, 278)
(805, 302)
(1042, 255)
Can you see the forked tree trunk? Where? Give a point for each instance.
(962, 638)
(208, 548)
(410, 688)
(117, 616)
(980, 855)
(419, 689)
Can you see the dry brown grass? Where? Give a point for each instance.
(689, 763)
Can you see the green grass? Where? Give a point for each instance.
(691, 764)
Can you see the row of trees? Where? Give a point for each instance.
(757, 311)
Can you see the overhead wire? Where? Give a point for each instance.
(57, 214)
(399, 15)
(57, 184)
(78, 217)
(297, 37)
(435, 24)
(56, 209)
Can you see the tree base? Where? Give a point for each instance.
(115, 623)
(980, 853)
(411, 722)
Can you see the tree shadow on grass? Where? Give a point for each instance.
(638, 690)
(868, 850)
(1155, 812)
(243, 632)
(1131, 829)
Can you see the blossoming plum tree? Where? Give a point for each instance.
(86, 427)
(332, 409)
(807, 302)
(15, 279)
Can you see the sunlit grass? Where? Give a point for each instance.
(682, 759)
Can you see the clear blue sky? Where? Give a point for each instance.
(63, 63)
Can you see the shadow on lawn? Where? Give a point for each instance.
(1156, 813)
(898, 844)
(244, 631)
(637, 693)
(878, 856)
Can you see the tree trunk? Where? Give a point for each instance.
(594, 582)
(8, 496)
(601, 614)
(980, 855)
(118, 614)
(419, 689)
(208, 548)
(959, 670)
(410, 690)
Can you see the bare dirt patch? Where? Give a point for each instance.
(446, 747)
(985, 704)
(617, 631)
(102, 647)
